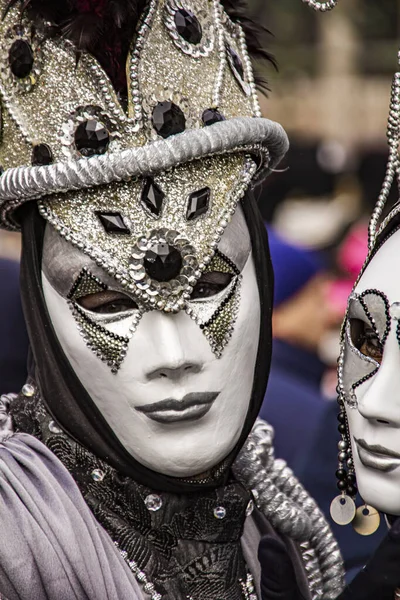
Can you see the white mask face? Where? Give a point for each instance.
(371, 378)
(180, 391)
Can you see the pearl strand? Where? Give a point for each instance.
(321, 6)
(393, 164)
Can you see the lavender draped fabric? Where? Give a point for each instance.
(52, 548)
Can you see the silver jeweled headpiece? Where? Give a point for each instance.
(145, 191)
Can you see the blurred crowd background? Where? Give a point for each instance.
(331, 93)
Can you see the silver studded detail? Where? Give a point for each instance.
(28, 390)
(98, 475)
(153, 502)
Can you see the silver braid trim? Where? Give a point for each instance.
(289, 508)
(20, 184)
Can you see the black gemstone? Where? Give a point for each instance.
(351, 479)
(341, 485)
(91, 137)
(41, 155)
(20, 58)
(352, 490)
(168, 119)
(341, 417)
(342, 428)
(162, 262)
(198, 203)
(152, 197)
(341, 474)
(188, 26)
(211, 116)
(113, 222)
(235, 61)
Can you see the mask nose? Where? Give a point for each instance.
(381, 401)
(173, 354)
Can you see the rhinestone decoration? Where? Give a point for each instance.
(168, 119)
(173, 113)
(236, 65)
(20, 58)
(217, 316)
(162, 262)
(159, 61)
(249, 508)
(249, 591)
(28, 390)
(164, 265)
(219, 512)
(85, 284)
(91, 137)
(354, 367)
(107, 345)
(122, 256)
(113, 222)
(41, 155)
(98, 475)
(198, 203)
(89, 131)
(152, 197)
(153, 502)
(141, 577)
(190, 27)
(53, 428)
(211, 116)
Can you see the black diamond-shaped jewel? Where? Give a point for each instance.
(41, 155)
(168, 119)
(235, 61)
(188, 26)
(198, 203)
(152, 197)
(162, 262)
(20, 58)
(113, 222)
(211, 116)
(91, 137)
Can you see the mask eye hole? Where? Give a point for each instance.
(365, 339)
(210, 284)
(107, 302)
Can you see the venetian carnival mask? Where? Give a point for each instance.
(148, 273)
(370, 378)
(163, 381)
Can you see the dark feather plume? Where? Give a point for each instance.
(104, 28)
(255, 33)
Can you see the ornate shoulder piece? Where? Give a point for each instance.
(283, 500)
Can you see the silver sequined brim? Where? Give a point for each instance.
(18, 185)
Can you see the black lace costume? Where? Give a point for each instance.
(186, 547)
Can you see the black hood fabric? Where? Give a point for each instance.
(64, 395)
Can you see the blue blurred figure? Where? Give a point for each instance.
(13, 336)
(304, 419)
